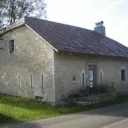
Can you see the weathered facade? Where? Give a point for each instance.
(38, 68)
(29, 71)
(67, 67)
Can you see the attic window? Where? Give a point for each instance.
(11, 46)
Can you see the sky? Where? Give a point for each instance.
(85, 13)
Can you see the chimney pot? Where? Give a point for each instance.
(100, 28)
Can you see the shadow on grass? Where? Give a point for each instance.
(7, 122)
(6, 119)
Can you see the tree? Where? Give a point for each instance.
(1, 8)
(13, 10)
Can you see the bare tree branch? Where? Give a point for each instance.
(13, 10)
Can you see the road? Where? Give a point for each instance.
(110, 117)
(119, 124)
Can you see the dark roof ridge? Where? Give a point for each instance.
(50, 21)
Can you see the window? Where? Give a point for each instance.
(11, 46)
(42, 81)
(31, 81)
(19, 80)
(83, 79)
(1, 43)
(101, 78)
(74, 78)
(123, 74)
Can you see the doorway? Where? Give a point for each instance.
(92, 75)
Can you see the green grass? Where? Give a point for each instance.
(17, 109)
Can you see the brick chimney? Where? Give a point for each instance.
(99, 28)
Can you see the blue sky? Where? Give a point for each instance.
(85, 13)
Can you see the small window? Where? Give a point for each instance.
(31, 81)
(123, 74)
(42, 81)
(101, 78)
(83, 79)
(74, 78)
(1, 44)
(11, 46)
(19, 80)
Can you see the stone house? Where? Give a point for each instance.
(48, 60)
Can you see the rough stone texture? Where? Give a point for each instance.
(67, 67)
(33, 56)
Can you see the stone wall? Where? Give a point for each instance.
(29, 71)
(68, 66)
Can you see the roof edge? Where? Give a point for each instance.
(89, 54)
(15, 25)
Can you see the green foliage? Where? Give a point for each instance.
(17, 109)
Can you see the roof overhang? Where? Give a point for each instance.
(91, 55)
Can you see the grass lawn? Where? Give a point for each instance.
(17, 109)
